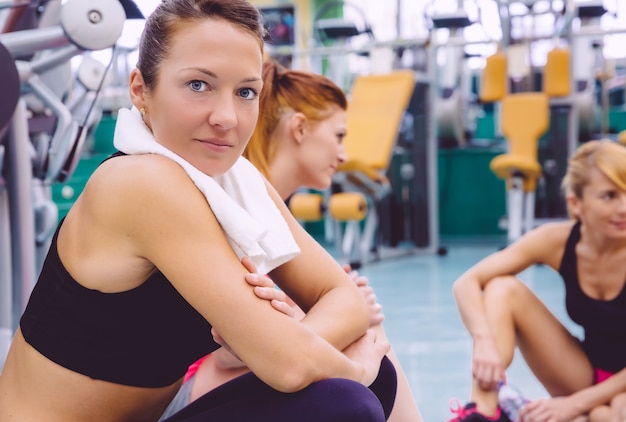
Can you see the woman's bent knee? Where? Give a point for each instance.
(385, 385)
(503, 289)
(342, 400)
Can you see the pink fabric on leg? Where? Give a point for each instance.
(601, 375)
(193, 368)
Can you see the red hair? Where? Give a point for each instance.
(308, 93)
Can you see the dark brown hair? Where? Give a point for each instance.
(171, 15)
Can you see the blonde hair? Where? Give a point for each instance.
(308, 93)
(604, 155)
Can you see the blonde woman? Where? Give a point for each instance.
(585, 377)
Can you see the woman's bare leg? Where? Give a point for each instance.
(214, 371)
(518, 318)
(404, 408)
(600, 414)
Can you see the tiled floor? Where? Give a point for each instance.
(425, 330)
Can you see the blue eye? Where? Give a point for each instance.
(248, 93)
(197, 85)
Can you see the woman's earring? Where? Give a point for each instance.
(142, 111)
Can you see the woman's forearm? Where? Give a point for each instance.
(339, 325)
(468, 297)
(599, 394)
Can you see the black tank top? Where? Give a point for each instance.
(144, 337)
(602, 320)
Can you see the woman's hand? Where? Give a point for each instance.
(375, 308)
(368, 350)
(487, 368)
(554, 409)
(264, 288)
(618, 408)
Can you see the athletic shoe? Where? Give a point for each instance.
(469, 413)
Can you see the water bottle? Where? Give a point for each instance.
(511, 401)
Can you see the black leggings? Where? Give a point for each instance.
(247, 398)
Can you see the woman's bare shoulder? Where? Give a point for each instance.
(126, 204)
(554, 231)
(135, 183)
(546, 242)
(139, 196)
(145, 171)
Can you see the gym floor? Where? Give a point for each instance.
(424, 326)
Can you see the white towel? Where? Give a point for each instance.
(239, 199)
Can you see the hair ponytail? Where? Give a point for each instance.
(284, 89)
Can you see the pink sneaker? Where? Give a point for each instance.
(469, 413)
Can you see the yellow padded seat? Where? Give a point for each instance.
(494, 80)
(376, 107)
(525, 117)
(307, 206)
(556, 73)
(348, 206)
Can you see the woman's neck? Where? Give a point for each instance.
(600, 244)
(284, 181)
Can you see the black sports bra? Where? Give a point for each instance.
(605, 337)
(144, 337)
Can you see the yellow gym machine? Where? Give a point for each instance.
(567, 90)
(524, 119)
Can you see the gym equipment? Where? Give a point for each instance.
(537, 171)
(339, 32)
(525, 117)
(10, 87)
(42, 139)
(377, 106)
(451, 102)
(494, 81)
(349, 209)
(553, 153)
(556, 74)
(347, 206)
(346, 209)
(307, 206)
(338, 28)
